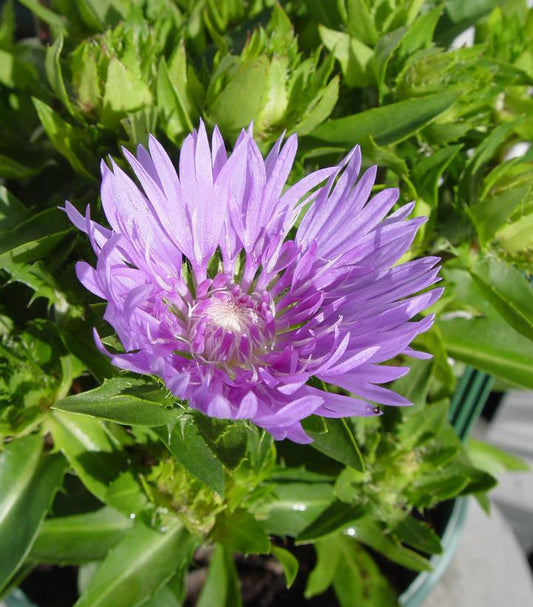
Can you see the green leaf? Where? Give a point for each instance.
(12, 169)
(458, 10)
(509, 292)
(69, 141)
(338, 442)
(93, 12)
(34, 237)
(367, 531)
(420, 33)
(289, 563)
(359, 581)
(128, 401)
(175, 121)
(386, 46)
(88, 449)
(440, 366)
(472, 178)
(438, 483)
(294, 506)
(418, 534)
(441, 449)
(126, 495)
(29, 481)
(353, 56)
(86, 78)
(165, 597)
(490, 345)
(414, 386)
(240, 532)
(191, 450)
(493, 460)
(55, 75)
(386, 124)
(328, 552)
(359, 22)
(490, 214)
(189, 91)
(7, 24)
(518, 235)
(227, 439)
(124, 91)
(246, 90)
(80, 343)
(45, 14)
(337, 515)
(355, 576)
(138, 566)
(221, 588)
(12, 211)
(419, 426)
(39, 279)
(80, 538)
(429, 169)
(320, 108)
(436, 488)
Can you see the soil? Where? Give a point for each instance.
(262, 581)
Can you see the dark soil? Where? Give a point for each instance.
(51, 586)
(262, 581)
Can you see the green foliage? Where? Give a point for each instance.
(29, 480)
(138, 566)
(128, 401)
(221, 587)
(79, 538)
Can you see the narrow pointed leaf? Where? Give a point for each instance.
(29, 480)
(370, 533)
(191, 450)
(240, 532)
(80, 538)
(138, 566)
(335, 516)
(338, 442)
(125, 401)
(88, 449)
(289, 563)
(508, 291)
(491, 346)
(386, 124)
(221, 589)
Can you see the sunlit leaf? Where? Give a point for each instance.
(29, 480)
(80, 538)
(125, 401)
(138, 566)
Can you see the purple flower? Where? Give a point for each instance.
(215, 283)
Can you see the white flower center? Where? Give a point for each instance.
(229, 327)
(231, 316)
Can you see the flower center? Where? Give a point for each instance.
(231, 315)
(231, 327)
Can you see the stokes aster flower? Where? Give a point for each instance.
(210, 286)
